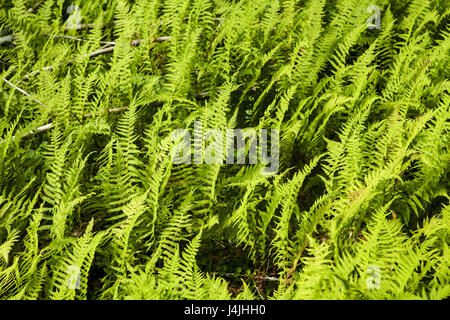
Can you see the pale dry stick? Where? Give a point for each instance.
(91, 25)
(105, 46)
(34, 7)
(37, 130)
(24, 92)
(203, 94)
(217, 28)
(269, 278)
(133, 42)
(50, 125)
(78, 39)
(158, 39)
(113, 110)
(31, 97)
(213, 19)
(37, 5)
(79, 26)
(93, 54)
(37, 71)
(234, 275)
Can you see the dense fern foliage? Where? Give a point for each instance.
(91, 92)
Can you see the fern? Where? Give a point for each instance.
(92, 205)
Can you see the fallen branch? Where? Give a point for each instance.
(50, 125)
(37, 5)
(235, 275)
(24, 92)
(78, 39)
(91, 25)
(93, 54)
(113, 110)
(37, 130)
(203, 94)
(80, 26)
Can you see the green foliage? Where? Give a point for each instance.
(88, 182)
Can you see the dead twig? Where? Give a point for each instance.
(93, 54)
(203, 94)
(113, 110)
(236, 275)
(91, 25)
(78, 39)
(34, 99)
(50, 125)
(80, 26)
(24, 92)
(37, 130)
(157, 39)
(37, 5)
